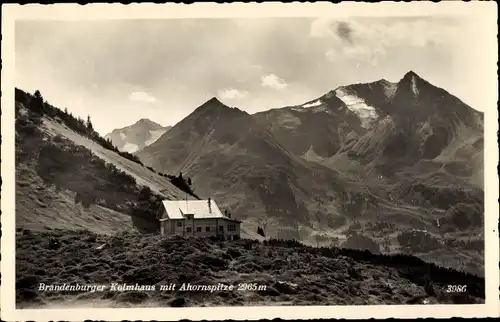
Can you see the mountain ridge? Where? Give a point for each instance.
(340, 163)
(135, 136)
(391, 206)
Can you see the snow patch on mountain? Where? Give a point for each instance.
(155, 135)
(130, 148)
(414, 87)
(123, 136)
(357, 105)
(313, 104)
(311, 155)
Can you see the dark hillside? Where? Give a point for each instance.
(292, 274)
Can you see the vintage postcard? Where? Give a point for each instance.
(249, 161)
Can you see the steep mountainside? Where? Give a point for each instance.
(136, 136)
(382, 166)
(420, 123)
(236, 161)
(382, 124)
(66, 178)
(317, 128)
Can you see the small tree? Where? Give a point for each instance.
(37, 103)
(335, 242)
(38, 95)
(189, 181)
(262, 225)
(318, 239)
(89, 124)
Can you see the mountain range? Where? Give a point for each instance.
(136, 136)
(389, 167)
(385, 166)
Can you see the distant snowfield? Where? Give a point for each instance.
(130, 148)
(313, 104)
(155, 135)
(358, 106)
(414, 87)
(310, 155)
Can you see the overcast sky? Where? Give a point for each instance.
(121, 71)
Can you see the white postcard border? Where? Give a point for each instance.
(485, 13)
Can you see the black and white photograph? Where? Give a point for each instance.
(249, 161)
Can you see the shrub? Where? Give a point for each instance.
(130, 157)
(182, 184)
(357, 241)
(25, 295)
(27, 282)
(132, 297)
(418, 241)
(178, 302)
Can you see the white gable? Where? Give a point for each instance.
(176, 209)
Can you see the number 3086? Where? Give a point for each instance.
(456, 288)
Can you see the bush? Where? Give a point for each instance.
(132, 297)
(25, 295)
(356, 241)
(178, 302)
(27, 282)
(418, 241)
(131, 157)
(182, 184)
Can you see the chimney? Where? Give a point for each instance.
(209, 205)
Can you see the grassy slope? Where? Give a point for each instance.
(293, 274)
(142, 175)
(40, 205)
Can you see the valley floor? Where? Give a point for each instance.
(277, 273)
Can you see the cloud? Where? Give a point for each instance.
(273, 81)
(231, 93)
(416, 33)
(321, 28)
(344, 30)
(331, 54)
(142, 97)
(370, 40)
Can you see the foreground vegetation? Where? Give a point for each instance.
(293, 274)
